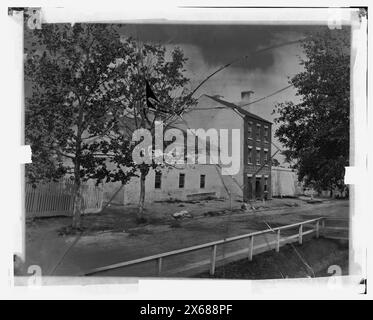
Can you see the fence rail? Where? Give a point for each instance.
(57, 198)
(213, 245)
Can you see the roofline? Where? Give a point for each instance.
(237, 108)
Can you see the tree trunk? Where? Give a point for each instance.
(140, 213)
(77, 185)
(77, 198)
(77, 208)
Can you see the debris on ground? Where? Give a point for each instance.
(248, 207)
(182, 214)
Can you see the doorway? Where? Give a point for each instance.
(258, 190)
(249, 188)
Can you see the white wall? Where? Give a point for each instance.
(285, 182)
(170, 184)
(202, 118)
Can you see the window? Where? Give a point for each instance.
(266, 134)
(266, 157)
(158, 180)
(181, 180)
(250, 155)
(250, 130)
(202, 181)
(258, 156)
(258, 132)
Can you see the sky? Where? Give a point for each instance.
(209, 47)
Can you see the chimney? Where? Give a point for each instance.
(246, 97)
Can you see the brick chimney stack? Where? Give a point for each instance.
(246, 96)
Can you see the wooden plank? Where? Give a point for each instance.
(336, 219)
(336, 238)
(159, 266)
(251, 248)
(213, 260)
(197, 247)
(336, 228)
(307, 232)
(323, 224)
(52, 197)
(268, 245)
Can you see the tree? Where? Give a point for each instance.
(155, 91)
(275, 163)
(75, 73)
(315, 131)
(90, 93)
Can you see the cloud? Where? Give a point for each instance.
(221, 43)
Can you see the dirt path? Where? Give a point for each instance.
(100, 249)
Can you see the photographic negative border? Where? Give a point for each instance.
(258, 15)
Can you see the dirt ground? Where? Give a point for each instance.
(114, 236)
(117, 218)
(312, 259)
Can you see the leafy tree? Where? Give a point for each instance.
(75, 104)
(89, 95)
(315, 131)
(275, 162)
(155, 92)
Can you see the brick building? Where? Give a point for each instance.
(256, 152)
(253, 181)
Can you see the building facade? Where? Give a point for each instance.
(252, 181)
(257, 152)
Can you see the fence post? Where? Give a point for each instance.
(159, 266)
(251, 248)
(213, 260)
(278, 241)
(317, 229)
(35, 202)
(301, 234)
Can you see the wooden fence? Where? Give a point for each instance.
(57, 198)
(316, 226)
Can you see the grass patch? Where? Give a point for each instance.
(319, 254)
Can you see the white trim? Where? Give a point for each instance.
(249, 175)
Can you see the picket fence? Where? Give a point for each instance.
(57, 198)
